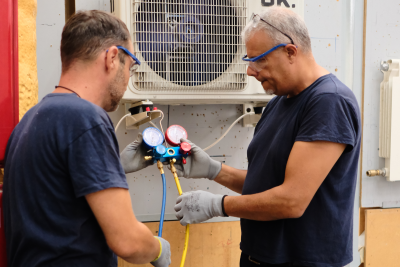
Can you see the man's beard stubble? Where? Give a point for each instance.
(115, 91)
(269, 91)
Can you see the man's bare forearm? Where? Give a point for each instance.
(273, 204)
(127, 237)
(146, 246)
(231, 178)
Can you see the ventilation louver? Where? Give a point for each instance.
(189, 44)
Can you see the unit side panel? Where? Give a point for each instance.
(382, 38)
(50, 21)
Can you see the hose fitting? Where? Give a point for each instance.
(173, 169)
(160, 167)
(148, 157)
(381, 172)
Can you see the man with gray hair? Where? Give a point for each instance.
(297, 196)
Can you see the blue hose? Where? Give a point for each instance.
(163, 205)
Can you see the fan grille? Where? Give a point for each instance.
(189, 44)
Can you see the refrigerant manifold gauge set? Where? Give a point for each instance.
(154, 139)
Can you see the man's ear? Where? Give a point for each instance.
(112, 59)
(291, 51)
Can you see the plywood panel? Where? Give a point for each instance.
(210, 244)
(28, 80)
(382, 237)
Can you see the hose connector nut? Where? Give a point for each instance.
(148, 157)
(160, 167)
(173, 169)
(381, 172)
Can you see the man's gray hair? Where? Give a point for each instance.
(286, 21)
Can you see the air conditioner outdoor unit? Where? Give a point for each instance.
(191, 50)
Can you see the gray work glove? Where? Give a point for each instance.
(164, 259)
(198, 164)
(198, 206)
(132, 157)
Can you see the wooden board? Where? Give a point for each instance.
(210, 244)
(69, 9)
(382, 237)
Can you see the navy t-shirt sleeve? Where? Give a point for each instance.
(329, 117)
(94, 163)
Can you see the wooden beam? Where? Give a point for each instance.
(69, 9)
(361, 211)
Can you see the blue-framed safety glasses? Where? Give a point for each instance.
(258, 66)
(136, 63)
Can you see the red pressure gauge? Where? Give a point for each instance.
(174, 133)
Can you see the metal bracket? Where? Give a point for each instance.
(134, 121)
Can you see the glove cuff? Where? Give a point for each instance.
(215, 168)
(159, 255)
(223, 207)
(217, 207)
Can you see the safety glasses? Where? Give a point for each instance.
(256, 63)
(135, 64)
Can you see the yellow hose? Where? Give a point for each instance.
(178, 185)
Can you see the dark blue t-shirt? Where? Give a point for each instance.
(63, 149)
(326, 111)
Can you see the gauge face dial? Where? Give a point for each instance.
(174, 134)
(153, 137)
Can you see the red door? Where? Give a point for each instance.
(8, 72)
(3, 257)
(8, 90)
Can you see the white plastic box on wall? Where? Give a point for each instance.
(191, 51)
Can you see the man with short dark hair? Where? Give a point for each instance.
(66, 199)
(297, 200)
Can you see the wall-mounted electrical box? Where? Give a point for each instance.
(191, 51)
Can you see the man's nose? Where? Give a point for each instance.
(251, 72)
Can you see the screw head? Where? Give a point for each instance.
(384, 66)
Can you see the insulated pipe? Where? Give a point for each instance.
(160, 228)
(178, 185)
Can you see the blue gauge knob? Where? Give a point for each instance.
(152, 137)
(160, 150)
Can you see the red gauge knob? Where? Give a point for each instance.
(183, 160)
(147, 109)
(155, 108)
(174, 133)
(185, 148)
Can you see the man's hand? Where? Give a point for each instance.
(164, 259)
(198, 206)
(198, 164)
(132, 157)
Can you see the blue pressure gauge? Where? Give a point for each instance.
(152, 137)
